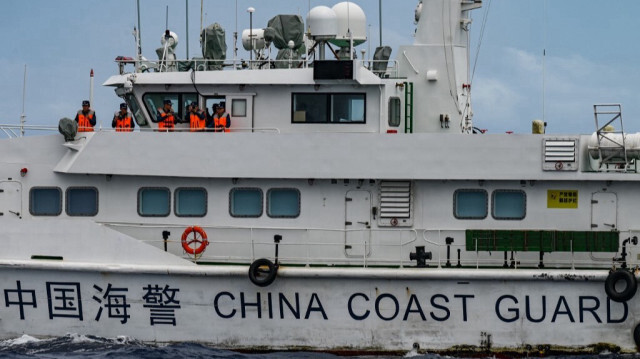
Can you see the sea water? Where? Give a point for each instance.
(81, 346)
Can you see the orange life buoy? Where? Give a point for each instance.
(199, 237)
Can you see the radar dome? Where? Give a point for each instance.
(322, 23)
(350, 17)
(171, 39)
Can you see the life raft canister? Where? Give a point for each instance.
(199, 236)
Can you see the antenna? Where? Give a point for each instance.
(23, 117)
(380, 20)
(544, 56)
(201, 11)
(235, 40)
(139, 34)
(91, 87)
(167, 18)
(187, 26)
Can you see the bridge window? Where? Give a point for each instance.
(245, 202)
(328, 108)
(470, 204)
(509, 204)
(45, 201)
(179, 103)
(82, 201)
(154, 202)
(283, 203)
(190, 202)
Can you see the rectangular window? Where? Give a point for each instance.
(245, 202)
(394, 111)
(239, 108)
(45, 201)
(283, 203)
(470, 204)
(328, 108)
(179, 103)
(154, 202)
(509, 204)
(136, 110)
(190, 202)
(82, 201)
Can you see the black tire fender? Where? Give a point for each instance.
(262, 272)
(636, 335)
(629, 290)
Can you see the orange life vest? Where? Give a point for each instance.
(196, 122)
(84, 121)
(168, 122)
(221, 124)
(124, 124)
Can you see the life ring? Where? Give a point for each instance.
(262, 272)
(630, 288)
(199, 237)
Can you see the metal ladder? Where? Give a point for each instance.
(613, 112)
(408, 107)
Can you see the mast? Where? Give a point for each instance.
(187, 26)
(91, 87)
(23, 117)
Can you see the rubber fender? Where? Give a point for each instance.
(630, 288)
(262, 272)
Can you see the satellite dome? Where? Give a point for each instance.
(350, 18)
(322, 23)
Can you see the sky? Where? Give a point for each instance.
(592, 50)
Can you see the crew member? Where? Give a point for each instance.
(122, 120)
(86, 118)
(166, 118)
(221, 119)
(197, 118)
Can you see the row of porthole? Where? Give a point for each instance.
(473, 204)
(155, 202)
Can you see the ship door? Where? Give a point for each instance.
(10, 199)
(604, 211)
(357, 224)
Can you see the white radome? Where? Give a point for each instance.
(350, 18)
(322, 23)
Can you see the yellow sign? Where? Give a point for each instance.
(562, 198)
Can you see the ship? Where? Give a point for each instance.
(351, 206)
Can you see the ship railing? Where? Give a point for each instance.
(298, 246)
(13, 131)
(382, 68)
(381, 246)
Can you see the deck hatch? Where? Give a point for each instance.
(396, 205)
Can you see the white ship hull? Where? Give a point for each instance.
(357, 310)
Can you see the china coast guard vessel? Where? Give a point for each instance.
(352, 207)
